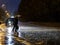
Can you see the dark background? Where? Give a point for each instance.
(34, 10)
(39, 10)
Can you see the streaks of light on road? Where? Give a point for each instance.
(22, 41)
(2, 38)
(32, 29)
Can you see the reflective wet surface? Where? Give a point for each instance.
(30, 38)
(2, 38)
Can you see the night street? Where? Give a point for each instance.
(29, 33)
(29, 22)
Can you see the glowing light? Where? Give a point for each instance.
(10, 40)
(6, 11)
(9, 36)
(9, 30)
(12, 16)
(8, 14)
(3, 5)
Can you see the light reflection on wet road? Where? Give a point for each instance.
(4, 40)
(27, 33)
(10, 39)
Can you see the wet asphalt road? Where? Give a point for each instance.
(30, 33)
